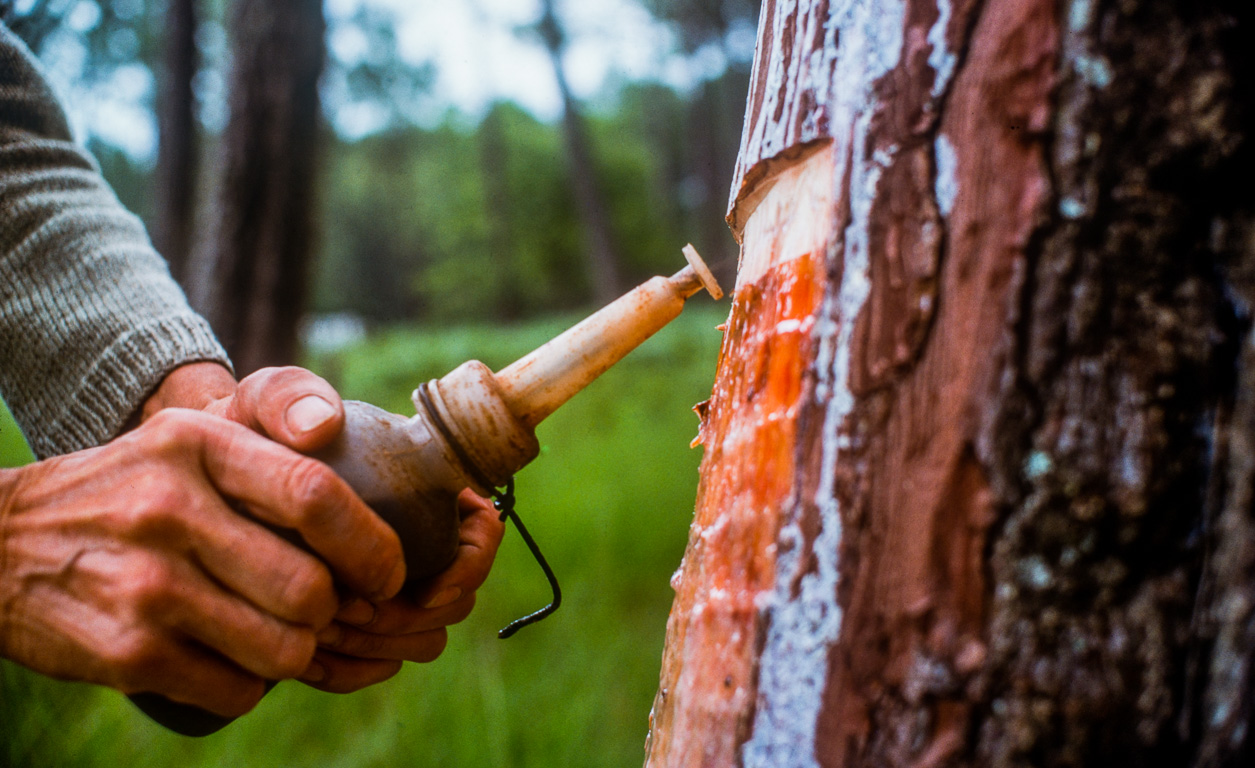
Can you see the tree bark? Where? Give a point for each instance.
(254, 273)
(979, 466)
(176, 173)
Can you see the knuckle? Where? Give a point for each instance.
(150, 588)
(310, 484)
(310, 594)
(173, 428)
(364, 644)
(158, 515)
(294, 650)
(134, 658)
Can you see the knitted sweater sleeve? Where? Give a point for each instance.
(90, 319)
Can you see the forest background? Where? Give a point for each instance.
(445, 227)
(421, 183)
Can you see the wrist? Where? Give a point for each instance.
(193, 385)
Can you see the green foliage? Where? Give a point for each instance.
(609, 500)
(636, 155)
(477, 222)
(14, 451)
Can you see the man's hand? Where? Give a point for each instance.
(370, 639)
(127, 565)
(289, 405)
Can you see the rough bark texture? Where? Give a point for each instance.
(252, 277)
(1013, 524)
(177, 148)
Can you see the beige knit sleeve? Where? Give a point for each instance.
(90, 320)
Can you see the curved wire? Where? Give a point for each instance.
(504, 502)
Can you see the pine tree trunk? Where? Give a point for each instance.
(255, 270)
(177, 148)
(604, 269)
(979, 464)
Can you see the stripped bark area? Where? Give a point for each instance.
(1013, 525)
(702, 712)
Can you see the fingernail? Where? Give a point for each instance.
(444, 598)
(357, 612)
(308, 413)
(330, 635)
(314, 673)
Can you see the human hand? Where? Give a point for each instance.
(369, 640)
(126, 565)
(290, 405)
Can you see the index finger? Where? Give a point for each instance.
(288, 490)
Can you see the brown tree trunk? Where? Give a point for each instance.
(255, 271)
(494, 158)
(604, 269)
(177, 148)
(979, 465)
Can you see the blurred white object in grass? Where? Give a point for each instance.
(331, 332)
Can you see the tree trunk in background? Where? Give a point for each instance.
(255, 270)
(713, 144)
(176, 176)
(979, 464)
(604, 269)
(494, 157)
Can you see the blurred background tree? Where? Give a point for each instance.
(251, 268)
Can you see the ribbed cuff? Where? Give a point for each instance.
(122, 377)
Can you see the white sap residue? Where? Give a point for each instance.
(941, 59)
(1090, 67)
(802, 628)
(946, 187)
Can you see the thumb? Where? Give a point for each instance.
(289, 405)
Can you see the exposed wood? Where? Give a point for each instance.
(705, 702)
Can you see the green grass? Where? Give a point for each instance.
(609, 500)
(14, 452)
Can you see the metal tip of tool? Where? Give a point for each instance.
(703, 272)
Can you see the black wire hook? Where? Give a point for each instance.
(503, 500)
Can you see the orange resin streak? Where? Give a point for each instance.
(706, 694)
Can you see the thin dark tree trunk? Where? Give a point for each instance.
(712, 144)
(176, 174)
(980, 460)
(256, 267)
(494, 156)
(604, 267)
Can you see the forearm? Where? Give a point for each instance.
(90, 321)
